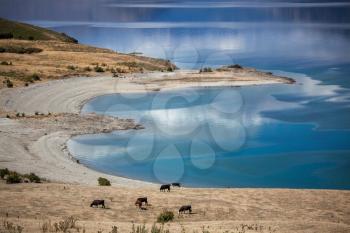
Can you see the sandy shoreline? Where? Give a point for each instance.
(44, 148)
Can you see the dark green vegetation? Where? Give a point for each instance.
(13, 177)
(99, 69)
(165, 216)
(15, 30)
(236, 66)
(6, 63)
(103, 182)
(205, 69)
(8, 83)
(19, 50)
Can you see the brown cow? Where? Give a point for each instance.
(163, 187)
(97, 203)
(141, 200)
(185, 208)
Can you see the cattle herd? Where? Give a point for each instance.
(139, 201)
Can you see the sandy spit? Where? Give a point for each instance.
(39, 144)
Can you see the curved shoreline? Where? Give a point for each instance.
(41, 146)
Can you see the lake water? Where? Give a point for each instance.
(293, 136)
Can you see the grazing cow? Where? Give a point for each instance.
(97, 203)
(176, 185)
(141, 200)
(163, 187)
(185, 208)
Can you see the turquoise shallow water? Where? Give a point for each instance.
(260, 136)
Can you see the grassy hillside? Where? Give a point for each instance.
(33, 54)
(16, 30)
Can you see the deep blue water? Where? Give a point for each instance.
(267, 136)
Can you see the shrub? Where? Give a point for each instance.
(170, 69)
(10, 227)
(206, 69)
(23, 115)
(70, 67)
(4, 172)
(160, 229)
(114, 229)
(6, 35)
(139, 229)
(88, 69)
(30, 38)
(13, 178)
(18, 114)
(19, 49)
(9, 84)
(99, 69)
(36, 113)
(33, 178)
(5, 63)
(35, 77)
(165, 216)
(103, 182)
(8, 116)
(237, 66)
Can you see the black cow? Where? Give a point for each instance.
(185, 208)
(141, 200)
(97, 203)
(176, 184)
(163, 187)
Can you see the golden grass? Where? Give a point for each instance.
(217, 210)
(61, 59)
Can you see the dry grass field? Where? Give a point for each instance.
(217, 210)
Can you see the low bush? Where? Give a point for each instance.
(5, 63)
(160, 229)
(88, 69)
(206, 69)
(99, 69)
(103, 182)
(237, 66)
(70, 67)
(4, 172)
(165, 216)
(6, 35)
(35, 77)
(33, 178)
(13, 178)
(10, 227)
(139, 229)
(9, 83)
(19, 49)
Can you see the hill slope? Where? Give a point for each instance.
(31, 54)
(16, 30)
